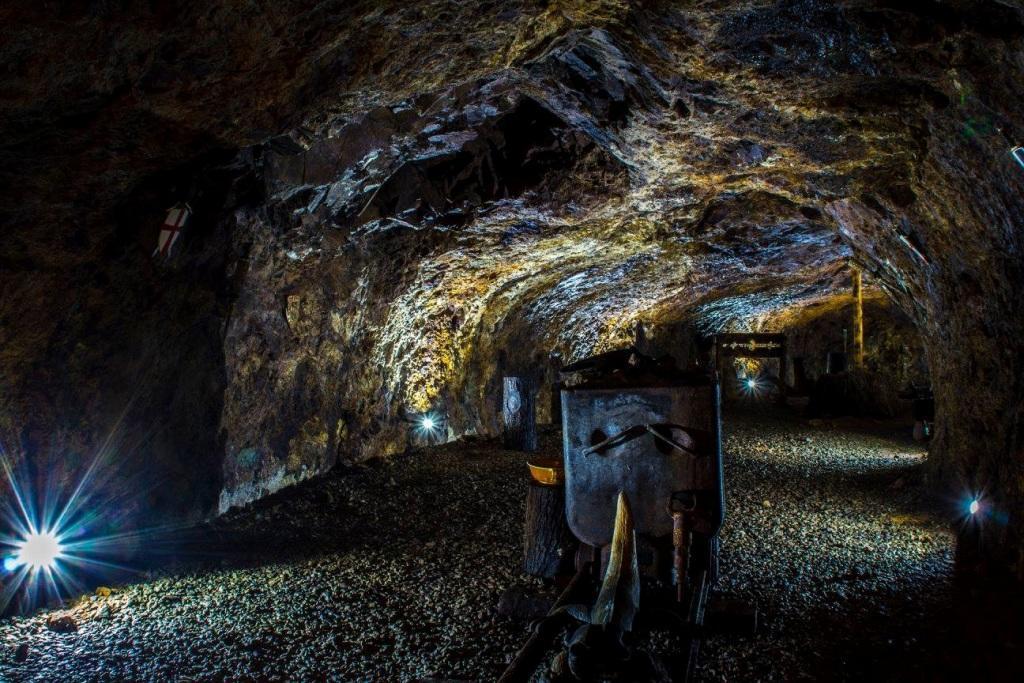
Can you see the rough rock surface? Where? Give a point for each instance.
(398, 204)
(351, 576)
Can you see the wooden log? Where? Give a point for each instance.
(549, 548)
(858, 320)
(520, 414)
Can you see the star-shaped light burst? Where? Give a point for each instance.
(977, 508)
(751, 385)
(34, 548)
(50, 539)
(33, 554)
(428, 424)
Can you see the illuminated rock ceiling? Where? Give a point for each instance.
(403, 204)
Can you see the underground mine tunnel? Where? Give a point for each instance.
(564, 340)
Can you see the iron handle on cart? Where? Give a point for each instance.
(636, 431)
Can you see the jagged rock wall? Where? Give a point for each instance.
(459, 205)
(511, 219)
(531, 274)
(111, 113)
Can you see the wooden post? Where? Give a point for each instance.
(555, 387)
(548, 544)
(783, 384)
(519, 413)
(858, 319)
(556, 403)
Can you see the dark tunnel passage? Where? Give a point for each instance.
(289, 289)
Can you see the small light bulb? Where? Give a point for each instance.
(974, 507)
(428, 423)
(751, 383)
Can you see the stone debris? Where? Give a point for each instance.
(61, 623)
(376, 585)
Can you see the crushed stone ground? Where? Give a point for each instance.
(392, 572)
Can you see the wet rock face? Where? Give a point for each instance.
(419, 211)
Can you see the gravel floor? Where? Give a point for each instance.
(392, 572)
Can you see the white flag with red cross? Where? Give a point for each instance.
(177, 216)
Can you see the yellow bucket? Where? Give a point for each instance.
(547, 471)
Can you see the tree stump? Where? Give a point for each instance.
(549, 548)
(520, 415)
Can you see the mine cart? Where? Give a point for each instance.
(644, 499)
(655, 437)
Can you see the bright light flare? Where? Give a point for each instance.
(428, 427)
(751, 385)
(974, 506)
(54, 540)
(39, 550)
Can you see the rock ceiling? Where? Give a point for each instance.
(423, 197)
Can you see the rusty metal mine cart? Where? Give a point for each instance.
(644, 499)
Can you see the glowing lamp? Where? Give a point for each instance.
(427, 423)
(752, 383)
(39, 551)
(974, 506)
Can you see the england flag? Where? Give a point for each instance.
(177, 216)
